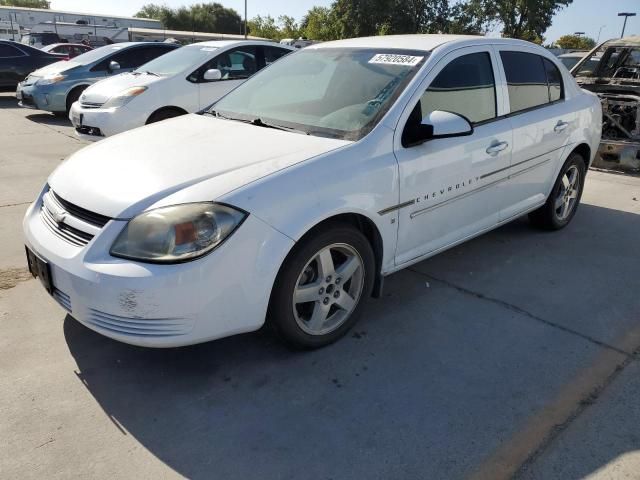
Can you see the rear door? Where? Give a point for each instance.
(12, 65)
(448, 186)
(542, 124)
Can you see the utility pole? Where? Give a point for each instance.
(245, 19)
(625, 15)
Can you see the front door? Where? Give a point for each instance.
(447, 186)
(235, 65)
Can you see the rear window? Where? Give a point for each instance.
(532, 80)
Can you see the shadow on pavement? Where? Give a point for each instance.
(429, 384)
(49, 119)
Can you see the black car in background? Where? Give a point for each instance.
(18, 60)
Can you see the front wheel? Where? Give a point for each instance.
(321, 287)
(564, 199)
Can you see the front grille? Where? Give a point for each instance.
(53, 206)
(63, 299)
(85, 104)
(64, 231)
(81, 213)
(143, 327)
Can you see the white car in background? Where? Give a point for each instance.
(184, 81)
(297, 193)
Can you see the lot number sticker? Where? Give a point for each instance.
(392, 59)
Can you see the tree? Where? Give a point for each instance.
(524, 19)
(264, 27)
(26, 3)
(320, 24)
(200, 17)
(289, 27)
(575, 42)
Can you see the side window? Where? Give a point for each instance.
(554, 79)
(130, 58)
(151, 53)
(271, 54)
(526, 80)
(465, 86)
(10, 51)
(235, 64)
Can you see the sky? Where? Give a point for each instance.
(581, 16)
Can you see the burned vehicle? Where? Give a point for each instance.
(612, 71)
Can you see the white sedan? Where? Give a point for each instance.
(184, 81)
(297, 193)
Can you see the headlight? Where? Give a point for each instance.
(124, 97)
(178, 233)
(51, 79)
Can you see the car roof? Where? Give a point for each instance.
(632, 41)
(228, 43)
(573, 55)
(54, 45)
(425, 42)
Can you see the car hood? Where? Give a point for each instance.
(121, 176)
(56, 67)
(103, 90)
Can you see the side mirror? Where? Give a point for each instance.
(437, 124)
(212, 74)
(114, 66)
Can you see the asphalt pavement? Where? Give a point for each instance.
(515, 355)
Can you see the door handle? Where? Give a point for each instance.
(496, 148)
(560, 126)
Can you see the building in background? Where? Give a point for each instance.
(27, 18)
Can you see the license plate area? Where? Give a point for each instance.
(39, 268)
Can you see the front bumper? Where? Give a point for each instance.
(224, 293)
(96, 123)
(45, 97)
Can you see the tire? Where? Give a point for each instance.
(316, 271)
(164, 114)
(564, 198)
(74, 96)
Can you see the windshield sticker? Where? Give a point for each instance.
(393, 59)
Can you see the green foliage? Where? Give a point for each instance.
(200, 17)
(25, 3)
(575, 42)
(320, 23)
(524, 19)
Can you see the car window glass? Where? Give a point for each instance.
(526, 80)
(9, 51)
(554, 80)
(271, 54)
(465, 86)
(151, 53)
(235, 64)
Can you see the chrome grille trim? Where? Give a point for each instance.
(90, 105)
(85, 215)
(70, 234)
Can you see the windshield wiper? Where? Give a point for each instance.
(258, 122)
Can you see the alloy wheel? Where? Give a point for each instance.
(567, 197)
(328, 289)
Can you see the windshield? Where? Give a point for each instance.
(178, 60)
(95, 55)
(612, 62)
(335, 92)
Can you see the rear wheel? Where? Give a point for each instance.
(564, 199)
(321, 287)
(164, 114)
